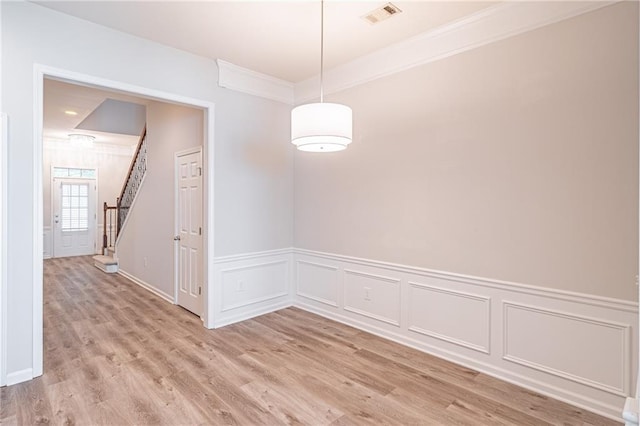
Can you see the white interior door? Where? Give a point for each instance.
(188, 176)
(74, 217)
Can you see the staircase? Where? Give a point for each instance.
(106, 263)
(114, 216)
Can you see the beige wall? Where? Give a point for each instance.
(253, 186)
(516, 161)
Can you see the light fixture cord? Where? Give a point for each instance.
(321, 51)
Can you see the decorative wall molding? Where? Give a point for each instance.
(244, 80)
(309, 272)
(495, 23)
(506, 19)
(251, 284)
(261, 291)
(252, 255)
(358, 290)
(147, 286)
(619, 357)
(581, 298)
(452, 319)
(551, 350)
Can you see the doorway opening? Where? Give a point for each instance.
(42, 74)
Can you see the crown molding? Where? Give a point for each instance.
(487, 26)
(479, 29)
(244, 80)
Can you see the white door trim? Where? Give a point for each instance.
(4, 120)
(40, 72)
(176, 230)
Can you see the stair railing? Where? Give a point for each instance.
(109, 223)
(114, 216)
(134, 179)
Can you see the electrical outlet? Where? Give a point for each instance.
(367, 293)
(145, 261)
(240, 285)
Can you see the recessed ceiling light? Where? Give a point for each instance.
(69, 112)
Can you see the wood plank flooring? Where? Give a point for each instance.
(116, 354)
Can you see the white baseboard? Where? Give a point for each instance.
(630, 413)
(494, 327)
(19, 376)
(248, 314)
(147, 286)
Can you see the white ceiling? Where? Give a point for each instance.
(278, 38)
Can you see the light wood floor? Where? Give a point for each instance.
(116, 354)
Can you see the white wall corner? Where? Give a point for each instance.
(507, 19)
(252, 284)
(244, 80)
(630, 412)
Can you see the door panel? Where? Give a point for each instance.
(74, 217)
(189, 227)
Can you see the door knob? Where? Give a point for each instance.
(176, 238)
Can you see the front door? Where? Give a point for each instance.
(189, 230)
(74, 217)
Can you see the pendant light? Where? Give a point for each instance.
(321, 127)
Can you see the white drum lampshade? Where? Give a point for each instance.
(321, 127)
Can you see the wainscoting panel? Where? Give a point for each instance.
(251, 285)
(372, 296)
(577, 348)
(576, 344)
(453, 316)
(317, 281)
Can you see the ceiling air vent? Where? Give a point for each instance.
(381, 13)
